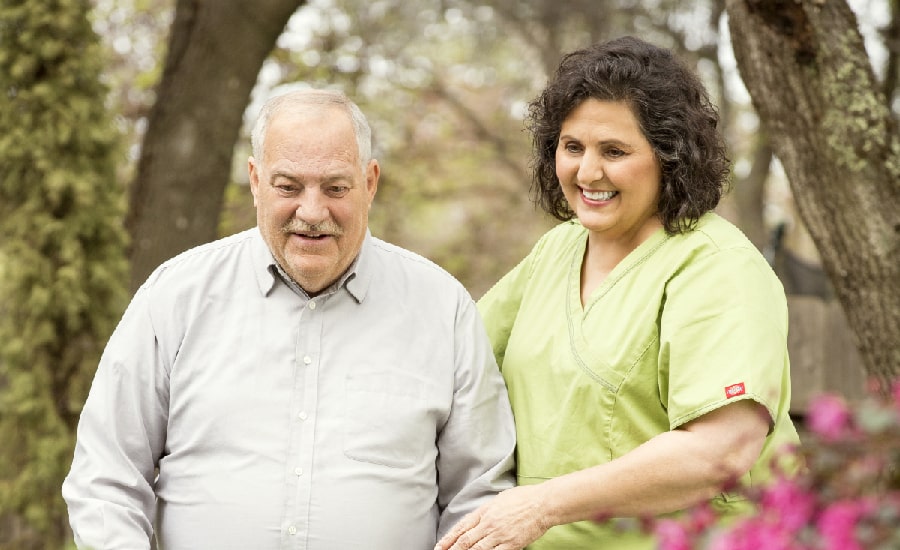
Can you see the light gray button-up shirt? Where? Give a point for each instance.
(372, 416)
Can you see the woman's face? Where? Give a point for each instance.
(608, 172)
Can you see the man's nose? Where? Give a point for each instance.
(312, 207)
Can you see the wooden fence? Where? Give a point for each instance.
(824, 357)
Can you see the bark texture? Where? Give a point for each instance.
(216, 49)
(811, 82)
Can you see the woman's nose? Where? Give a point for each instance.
(590, 168)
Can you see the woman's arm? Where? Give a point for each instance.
(671, 471)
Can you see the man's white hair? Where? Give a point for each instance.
(304, 98)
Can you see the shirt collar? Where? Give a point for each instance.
(263, 261)
(356, 279)
(361, 270)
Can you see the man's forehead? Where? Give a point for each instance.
(294, 113)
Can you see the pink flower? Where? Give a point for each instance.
(829, 416)
(788, 504)
(702, 518)
(754, 534)
(672, 535)
(837, 524)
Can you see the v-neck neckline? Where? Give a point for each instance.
(576, 313)
(629, 262)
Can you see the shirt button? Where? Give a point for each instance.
(292, 530)
(307, 360)
(302, 415)
(298, 470)
(311, 304)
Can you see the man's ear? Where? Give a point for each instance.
(254, 178)
(373, 172)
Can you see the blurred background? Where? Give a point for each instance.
(124, 140)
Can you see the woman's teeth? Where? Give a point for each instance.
(599, 195)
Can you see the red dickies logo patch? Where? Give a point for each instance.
(734, 390)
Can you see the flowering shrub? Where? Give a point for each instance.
(847, 497)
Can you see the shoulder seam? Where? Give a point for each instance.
(413, 257)
(198, 250)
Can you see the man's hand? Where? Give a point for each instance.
(512, 520)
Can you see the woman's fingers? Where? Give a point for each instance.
(459, 537)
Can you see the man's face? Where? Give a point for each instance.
(311, 195)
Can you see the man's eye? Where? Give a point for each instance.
(337, 190)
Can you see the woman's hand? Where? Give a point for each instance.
(512, 520)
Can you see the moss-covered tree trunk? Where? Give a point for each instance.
(215, 52)
(63, 273)
(812, 84)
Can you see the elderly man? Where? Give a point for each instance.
(298, 385)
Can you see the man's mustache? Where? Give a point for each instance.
(328, 227)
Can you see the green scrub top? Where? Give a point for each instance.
(683, 325)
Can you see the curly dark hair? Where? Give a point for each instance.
(674, 112)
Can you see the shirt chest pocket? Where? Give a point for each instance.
(387, 418)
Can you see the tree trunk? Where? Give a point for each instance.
(215, 52)
(808, 74)
(749, 194)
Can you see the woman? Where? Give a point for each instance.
(644, 340)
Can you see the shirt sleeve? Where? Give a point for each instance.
(723, 333)
(476, 445)
(499, 307)
(120, 437)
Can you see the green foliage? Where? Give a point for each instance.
(62, 261)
